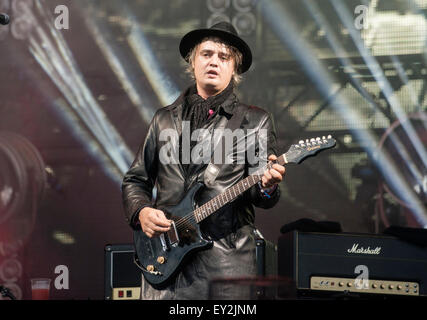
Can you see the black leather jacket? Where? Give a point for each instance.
(147, 172)
(171, 182)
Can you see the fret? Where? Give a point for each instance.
(196, 214)
(228, 195)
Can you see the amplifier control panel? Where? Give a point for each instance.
(364, 285)
(126, 293)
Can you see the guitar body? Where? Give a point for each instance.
(160, 258)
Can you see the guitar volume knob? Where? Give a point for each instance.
(161, 260)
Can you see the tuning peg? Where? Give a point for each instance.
(323, 138)
(318, 139)
(301, 142)
(312, 140)
(329, 136)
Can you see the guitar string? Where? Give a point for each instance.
(190, 218)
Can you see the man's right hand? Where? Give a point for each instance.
(153, 222)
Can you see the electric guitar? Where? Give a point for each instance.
(160, 258)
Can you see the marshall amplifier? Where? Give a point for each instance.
(352, 263)
(122, 276)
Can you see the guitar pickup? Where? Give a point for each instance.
(173, 235)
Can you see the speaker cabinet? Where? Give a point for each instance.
(122, 276)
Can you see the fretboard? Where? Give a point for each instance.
(232, 193)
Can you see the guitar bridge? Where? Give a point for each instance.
(163, 242)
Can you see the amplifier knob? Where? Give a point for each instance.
(349, 284)
(391, 287)
(382, 286)
(374, 285)
(341, 284)
(399, 287)
(150, 268)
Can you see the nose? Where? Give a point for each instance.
(214, 60)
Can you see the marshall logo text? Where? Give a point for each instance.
(356, 249)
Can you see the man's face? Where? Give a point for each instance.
(213, 67)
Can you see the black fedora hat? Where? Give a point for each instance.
(224, 31)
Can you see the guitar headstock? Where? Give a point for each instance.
(310, 147)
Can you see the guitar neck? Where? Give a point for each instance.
(233, 192)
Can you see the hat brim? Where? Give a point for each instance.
(194, 37)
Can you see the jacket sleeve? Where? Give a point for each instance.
(265, 146)
(139, 181)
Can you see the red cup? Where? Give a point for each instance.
(40, 288)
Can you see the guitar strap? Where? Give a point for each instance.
(213, 169)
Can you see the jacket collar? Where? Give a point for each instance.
(228, 105)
